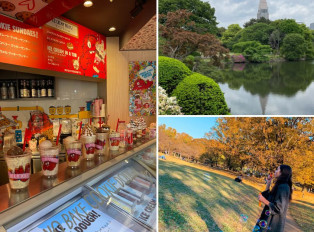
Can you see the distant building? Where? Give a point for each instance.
(312, 26)
(262, 10)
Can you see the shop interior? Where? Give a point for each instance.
(45, 104)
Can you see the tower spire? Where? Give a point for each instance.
(262, 10)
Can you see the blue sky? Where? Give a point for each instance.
(241, 11)
(194, 126)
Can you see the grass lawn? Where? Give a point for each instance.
(190, 202)
(303, 214)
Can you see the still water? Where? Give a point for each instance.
(285, 88)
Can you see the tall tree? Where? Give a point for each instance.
(293, 47)
(257, 32)
(229, 34)
(203, 14)
(180, 42)
(274, 40)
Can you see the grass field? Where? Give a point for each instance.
(303, 213)
(188, 201)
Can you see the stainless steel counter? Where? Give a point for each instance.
(41, 189)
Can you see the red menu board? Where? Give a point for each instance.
(72, 48)
(20, 44)
(60, 45)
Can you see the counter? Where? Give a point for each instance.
(96, 184)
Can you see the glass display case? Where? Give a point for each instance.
(117, 195)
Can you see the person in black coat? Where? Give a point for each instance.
(239, 178)
(276, 201)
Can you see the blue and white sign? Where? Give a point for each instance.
(81, 217)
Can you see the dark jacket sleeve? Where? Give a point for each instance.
(281, 199)
(266, 194)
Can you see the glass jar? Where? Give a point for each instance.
(66, 126)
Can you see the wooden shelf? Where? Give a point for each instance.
(30, 99)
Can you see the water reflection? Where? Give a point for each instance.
(276, 88)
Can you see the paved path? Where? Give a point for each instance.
(291, 225)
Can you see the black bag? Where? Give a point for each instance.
(262, 224)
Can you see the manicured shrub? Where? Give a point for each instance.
(171, 72)
(200, 95)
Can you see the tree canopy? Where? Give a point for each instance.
(272, 33)
(203, 14)
(254, 20)
(180, 41)
(293, 47)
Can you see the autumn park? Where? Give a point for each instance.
(197, 187)
(264, 66)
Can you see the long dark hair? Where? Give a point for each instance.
(284, 178)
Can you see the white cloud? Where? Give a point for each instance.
(240, 11)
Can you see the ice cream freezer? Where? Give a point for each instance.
(117, 195)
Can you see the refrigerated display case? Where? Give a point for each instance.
(117, 194)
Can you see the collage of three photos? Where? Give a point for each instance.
(156, 115)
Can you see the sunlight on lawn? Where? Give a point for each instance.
(197, 198)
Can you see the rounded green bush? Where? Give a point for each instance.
(171, 72)
(200, 95)
(293, 47)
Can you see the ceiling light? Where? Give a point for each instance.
(112, 29)
(88, 3)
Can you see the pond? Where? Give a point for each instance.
(285, 88)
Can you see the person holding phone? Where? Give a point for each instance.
(276, 201)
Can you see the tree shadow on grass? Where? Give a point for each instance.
(171, 217)
(304, 202)
(303, 215)
(206, 216)
(168, 214)
(226, 193)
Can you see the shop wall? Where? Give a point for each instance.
(118, 80)
(69, 92)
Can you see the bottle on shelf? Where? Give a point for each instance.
(4, 91)
(22, 87)
(28, 89)
(43, 88)
(12, 91)
(50, 88)
(33, 88)
(38, 88)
